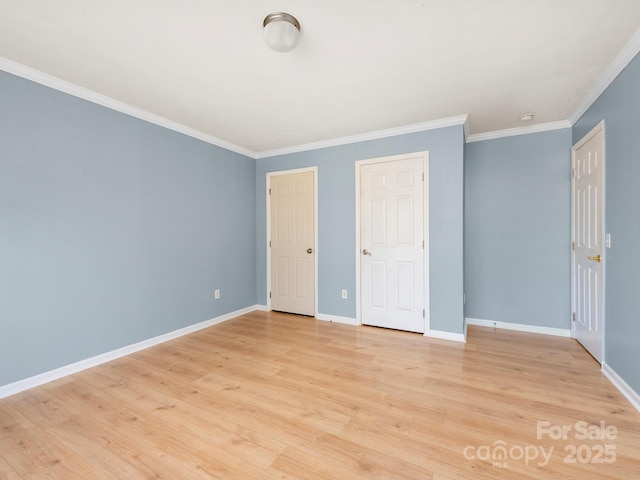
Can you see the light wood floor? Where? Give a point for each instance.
(281, 396)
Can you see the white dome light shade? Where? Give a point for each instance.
(281, 31)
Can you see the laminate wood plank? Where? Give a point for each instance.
(440, 450)
(295, 408)
(356, 396)
(110, 453)
(332, 392)
(7, 472)
(204, 429)
(335, 457)
(33, 453)
(343, 399)
(277, 396)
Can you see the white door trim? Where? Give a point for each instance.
(600, 127)
(392, 158)
(315, 220)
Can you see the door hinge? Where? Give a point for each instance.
(423, 244)
(269, 191)
(423, 313)
(574, 316)
(269, 294)
(269, 242)
(573, 245)
(423, 176)
(573, 173)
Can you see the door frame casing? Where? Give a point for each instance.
(425, 205)
(269, 175)
(600, 127)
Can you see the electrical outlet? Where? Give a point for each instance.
(216, 294)
(344, 294)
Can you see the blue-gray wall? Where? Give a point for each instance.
(336, 219)
(619, 106)
(517, 229)
(112, 230)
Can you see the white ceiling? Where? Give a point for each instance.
(361, 65)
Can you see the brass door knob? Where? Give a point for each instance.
(597, 258)
(309, 250)
(366, 252)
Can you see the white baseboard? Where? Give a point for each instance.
(442, 335)
(263, 308)
(456, 337)
(629, 393)
(46, 377)
(558, 332)
(337, 319)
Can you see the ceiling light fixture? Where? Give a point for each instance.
(526, 117)
(281, 31)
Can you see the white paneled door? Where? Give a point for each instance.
(392, 244)
(292, 243)
(588, 170)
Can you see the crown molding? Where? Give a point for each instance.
(390, 132)
(512, 132)
(56, 83)
(627, 54)
(467, 128)
(631, 49)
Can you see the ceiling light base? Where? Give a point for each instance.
(281, 31)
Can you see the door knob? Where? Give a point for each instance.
(366, 252)
(309, 250)
(597, 258)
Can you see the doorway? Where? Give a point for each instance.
(588, 241)
(292, 240)
(392, 242)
